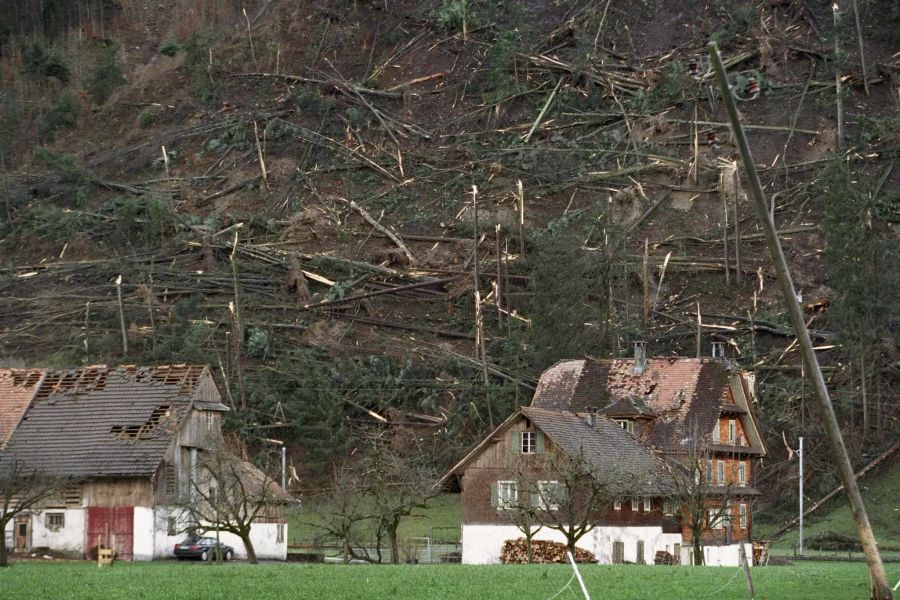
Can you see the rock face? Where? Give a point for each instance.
(516, 552)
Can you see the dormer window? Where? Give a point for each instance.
(626, 424)
(732, 431)
(716, 433)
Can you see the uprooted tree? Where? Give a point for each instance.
(229, 494)
(23, 490)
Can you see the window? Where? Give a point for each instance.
(550, 494)
(529, 442)
(279, 535)
(617, 504)
(668, 506)
(720, 473)
(506, 494)
(171, 481)
(743, 516)
(709, 477)
(618, 556)
(54, 521)
(717, 433)
(647, 504)
(742, 473)
(626, 424)
(171, 526)
(732, 431)
(714, 520)
(635, 504)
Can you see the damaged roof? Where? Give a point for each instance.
(17, 388)
(104, 421)
(685, 394)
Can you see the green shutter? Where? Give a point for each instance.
(539, 446)
(495, 501)
(515, 441)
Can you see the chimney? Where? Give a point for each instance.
(640, 357)
(718, 350)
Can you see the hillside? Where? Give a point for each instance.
(309, 195)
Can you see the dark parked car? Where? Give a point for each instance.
(203, 548)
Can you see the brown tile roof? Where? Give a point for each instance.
(630, 406)
(17, 387)
(105, 421)
(685, 393)
(610, 448)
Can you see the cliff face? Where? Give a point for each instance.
(304, 183)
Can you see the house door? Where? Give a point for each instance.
(111, 526)
(618, 556)
(22, 534)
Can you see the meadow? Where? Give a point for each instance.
(192, 581)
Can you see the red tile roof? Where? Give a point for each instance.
(17, 387)
(686, 394)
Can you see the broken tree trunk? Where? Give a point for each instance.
(880, 590)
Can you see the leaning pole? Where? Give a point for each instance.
(879, 588)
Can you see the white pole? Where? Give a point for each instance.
(800, 452)
(578, 575)
(284, 468)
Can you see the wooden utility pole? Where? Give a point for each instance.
(880, 590)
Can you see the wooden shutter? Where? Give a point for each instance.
(515, 440)
(539, 444)
(639, 559)
(495, 495)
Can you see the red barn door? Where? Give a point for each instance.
(112, 525)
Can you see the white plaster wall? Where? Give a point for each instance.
(481, 544)
(263, 535)
(68, 538)
(9, 536)
(163, 543)
(725, 556)
(654, 539)
(144, 530)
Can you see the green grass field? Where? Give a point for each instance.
(880, 494)
(193, 581)
(440, 520)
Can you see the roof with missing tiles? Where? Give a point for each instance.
(17, 388)
(685, 394)
(108, 421)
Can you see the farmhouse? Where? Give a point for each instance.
(131, 438)
(659, 426)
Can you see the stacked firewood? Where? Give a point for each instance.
(516, 551)
(663, 558)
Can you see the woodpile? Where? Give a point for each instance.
(516, 552)
(663, 558)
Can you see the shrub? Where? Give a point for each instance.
(451, 14)
(106, 75)
(63, 113)
(44, 62)
(149, 116)
(169, 48)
